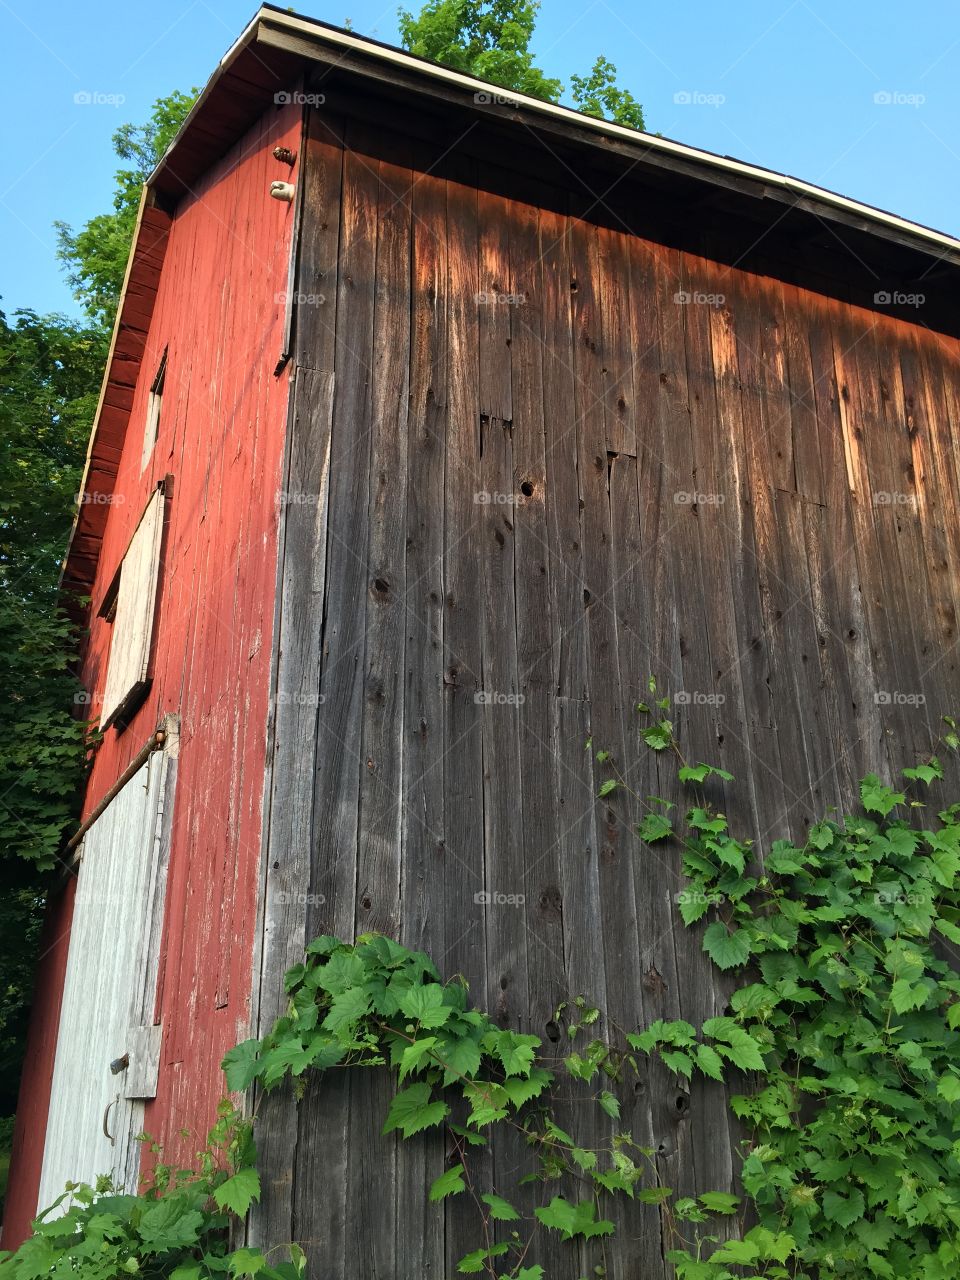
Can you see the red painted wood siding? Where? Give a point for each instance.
(220, 313)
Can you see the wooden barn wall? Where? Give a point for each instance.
(752, 495)
(220, 313)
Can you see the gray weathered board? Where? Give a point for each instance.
(544, 499)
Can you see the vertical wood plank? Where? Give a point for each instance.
(373, 1160)
(423, 924)
(465, 873)
(304, 504)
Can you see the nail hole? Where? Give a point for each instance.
(527, 488)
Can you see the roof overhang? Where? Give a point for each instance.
(275, 45)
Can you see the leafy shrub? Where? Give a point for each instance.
(179, 1226)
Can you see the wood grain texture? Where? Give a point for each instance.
(94, 1114)
(558, 459)
(525, 459)
(131, 638)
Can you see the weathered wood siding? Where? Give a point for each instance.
(524, 474)
(93, 1118)
(219, 312)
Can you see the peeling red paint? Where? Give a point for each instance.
(220, 312)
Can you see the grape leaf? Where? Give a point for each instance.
(610, 1104)
(574, 1219)
(166, 1226)
(450, 1183)
(708, 1060)
(241, 1065)
(476, 1261)
(239, 1192)
(499, 1208)
(411, 1111)
(246, 1262)
(654, 827)
(878, 798)
(719, 1202)
(425, 1005)
(726, 950)
(843, 1209)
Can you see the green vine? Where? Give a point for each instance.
(853, 1163)
(845, 1020)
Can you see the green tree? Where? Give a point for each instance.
(491, 39)
(50, 373)
(95, 257)
(599, 95)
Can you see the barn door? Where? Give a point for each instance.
(107, 1045)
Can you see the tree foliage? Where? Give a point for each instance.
(598, 94)
(50, 373)
(491, 39)
(95, 257)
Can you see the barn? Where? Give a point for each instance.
(435, 421)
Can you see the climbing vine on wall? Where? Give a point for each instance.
(847, 947)
(840, 1039)
(845, 1018)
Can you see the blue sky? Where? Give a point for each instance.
(860, 96)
